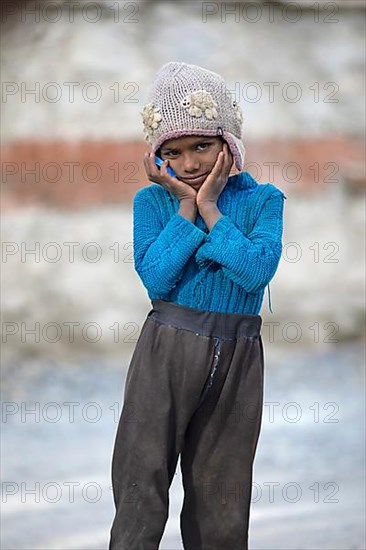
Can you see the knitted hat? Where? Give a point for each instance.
(190, 100)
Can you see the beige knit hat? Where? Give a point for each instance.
(190, 100)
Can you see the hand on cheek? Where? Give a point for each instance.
(217, 178)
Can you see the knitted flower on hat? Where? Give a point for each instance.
(190, 100)
(151, 118)
(200, 103)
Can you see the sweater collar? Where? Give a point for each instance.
(243, 180)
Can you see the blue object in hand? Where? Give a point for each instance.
(159, 162)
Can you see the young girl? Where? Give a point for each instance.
(206, 245)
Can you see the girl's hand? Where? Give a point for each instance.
(215, 182)
(180, 189)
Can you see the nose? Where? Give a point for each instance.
(191, 164)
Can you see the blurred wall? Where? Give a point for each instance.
(75, 81)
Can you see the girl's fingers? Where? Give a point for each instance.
(218, 164)
(147, 161)
(147, 167)
(150, 171)
(164, 171)
(228, 159)
(164, 168)
(223, 164)
(154, 173)
(154, 169)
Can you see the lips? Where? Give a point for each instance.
(198, 179)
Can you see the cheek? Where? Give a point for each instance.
(211, 159)
(175, 164)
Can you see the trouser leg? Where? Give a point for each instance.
(162, 389)
(219, 450)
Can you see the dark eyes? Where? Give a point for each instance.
(204, 144)
(175, 152)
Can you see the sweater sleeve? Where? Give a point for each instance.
(161, 252)
(250, 261)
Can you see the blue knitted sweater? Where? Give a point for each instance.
(226, 269)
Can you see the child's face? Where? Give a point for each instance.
(192, 156)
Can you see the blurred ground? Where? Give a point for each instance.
(311, 452)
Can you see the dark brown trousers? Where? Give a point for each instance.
(194, 388)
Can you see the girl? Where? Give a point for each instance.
(206, 244)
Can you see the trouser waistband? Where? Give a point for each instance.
(206, 323)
